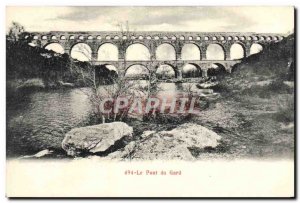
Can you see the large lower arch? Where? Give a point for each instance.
(165, 51)
(216, 70)
(190, 52)
(108, 52)
(191, 71)
(137, 71)
(237, 51)
(256, 48)
(106, 74)
(165, 71)
(81, 52)
(137, 52)
(56, 47)
(215, 52)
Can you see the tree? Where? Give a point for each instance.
(98, 93)
(15, 32)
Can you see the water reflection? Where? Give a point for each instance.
(41, 120)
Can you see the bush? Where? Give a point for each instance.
(286, 111)
(266, 91)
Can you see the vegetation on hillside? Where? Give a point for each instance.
(255, 113)
(25, 61)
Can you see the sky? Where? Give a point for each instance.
(200, 19)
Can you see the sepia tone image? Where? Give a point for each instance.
(131, 84)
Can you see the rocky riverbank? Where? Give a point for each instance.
(104, 140)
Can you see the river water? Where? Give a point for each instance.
(41, 119)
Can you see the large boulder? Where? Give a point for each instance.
(194, 135)
(96, 138)
(169, 145)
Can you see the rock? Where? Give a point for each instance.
(195, 135)
(291, 84)
(161, 147)
(124, 153)
(207, 85)
(65, 84)
(39, 154)
(32, 83)
(169, 145)
(96, 138)
(147, 133)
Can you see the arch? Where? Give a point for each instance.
(116, 37)
(256, 48)
(149, 37)
(137, 52)
(108, 52)
(249, 38)
(181, 38)
(63, 37)
(229, 38)
(262, 38)
(191, 70)
(156, 37)
(198, 38)
(214, 38)
(222, 38)
(216, 70)
(173, 38)
(44, 37)
(165, 71)
(215, 52)
(165, 38)
(81, 37)
(141, 37)
(190, 38)
(165, 51)
(53, 37)
(255, 38)
(90, 37)
(81, 51)
(190, 52)
(242, 38)
(35, 37)
(124, 37)
(98, 37)
(107, 37)
(206, 38)
(137, 71)
(72, 37)
(237, 51)
(56, 47)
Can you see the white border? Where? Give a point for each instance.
(5, 3)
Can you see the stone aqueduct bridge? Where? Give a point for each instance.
(152, 40)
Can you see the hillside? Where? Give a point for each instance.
(275, 64)
(255, 112)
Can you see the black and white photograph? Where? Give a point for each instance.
(117, 93)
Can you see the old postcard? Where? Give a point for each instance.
(150, 101)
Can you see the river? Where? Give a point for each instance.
(40, 119)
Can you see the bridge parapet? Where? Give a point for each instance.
(152, 40)
(174, 36)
